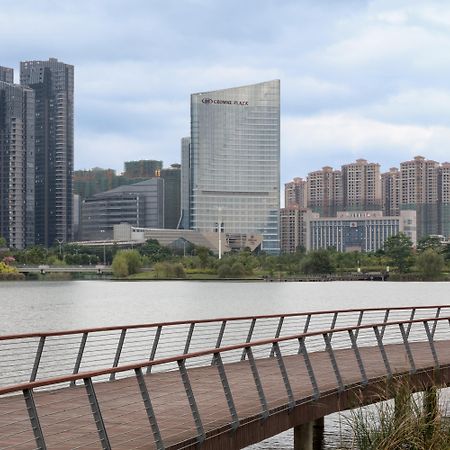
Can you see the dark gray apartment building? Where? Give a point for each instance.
(140, 205)
(53, 84)
(17, 128)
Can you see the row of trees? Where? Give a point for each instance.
(429, 259)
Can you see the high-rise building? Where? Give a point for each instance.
(145, 168)
(172, 195)
(390, 192)
(361, 186)
(53, 85)
(6, 75)
(295, 193)
(186, 177)
(293, 228)
(17, 151)
(324, 191)
(444, 199)
(419, 192)
(234, 162)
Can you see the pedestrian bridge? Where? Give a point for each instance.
(214, 384)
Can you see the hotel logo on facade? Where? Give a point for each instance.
(209, 101)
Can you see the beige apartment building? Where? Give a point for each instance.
(361, 186)
(293, 228)
(295, 193)
(419, 192)
(324, 191)
(390, 192)
(444, 199)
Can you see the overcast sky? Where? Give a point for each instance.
(359, 79)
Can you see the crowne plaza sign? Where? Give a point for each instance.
(209, 101)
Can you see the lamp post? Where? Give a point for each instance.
(60, 248)
(219, 230)
(104, 249)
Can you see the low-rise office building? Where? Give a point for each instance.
(364, 231)
(180, 239)
(140, 204)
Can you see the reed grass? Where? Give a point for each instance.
(408, 422)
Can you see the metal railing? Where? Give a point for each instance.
(247, 381)
(33, 356)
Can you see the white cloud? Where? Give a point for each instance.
(428, 106)
(326, 136)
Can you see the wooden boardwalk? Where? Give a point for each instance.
(67, 421)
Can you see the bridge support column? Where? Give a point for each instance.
(309, 436)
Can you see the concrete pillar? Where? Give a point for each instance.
(309, 436)
(318, 433)
(303, 436)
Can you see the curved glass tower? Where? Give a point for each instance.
(234, 161)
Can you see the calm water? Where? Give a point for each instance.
(43, 306)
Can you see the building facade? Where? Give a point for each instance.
(184, 240)
(6, 75)
(361, 186)
(140, 205)
(390, 192)
(364, 231)
(419, 192)
(53, 85)
(17, 153)
(172, 195)
(145, 168)
(293, 228)
(324, 191)
(444, 200)
(295, 193)
(233, 175)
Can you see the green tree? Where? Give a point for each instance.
(398, 249)
(2, 242)
(126, 262)
(154, 251)
(203, 256)
(430, 263)
(446, 252)
(319, 261)
(120, 266)
(428, 242)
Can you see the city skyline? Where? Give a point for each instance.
(358, 79)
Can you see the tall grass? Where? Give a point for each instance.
(409, 421)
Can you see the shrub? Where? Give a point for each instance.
(224, 271)
(411, 421)
(126, 262)
(178, 271)
(430, 264)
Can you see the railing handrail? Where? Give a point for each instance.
(210, 351)
(220, 319)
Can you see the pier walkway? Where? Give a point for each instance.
(213, 384)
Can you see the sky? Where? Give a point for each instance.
(359, 79)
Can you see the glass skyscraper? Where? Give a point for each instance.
(231, 166)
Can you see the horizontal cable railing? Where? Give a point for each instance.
(34, 356)
(212, 390)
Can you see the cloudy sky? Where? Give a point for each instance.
(359, 78)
